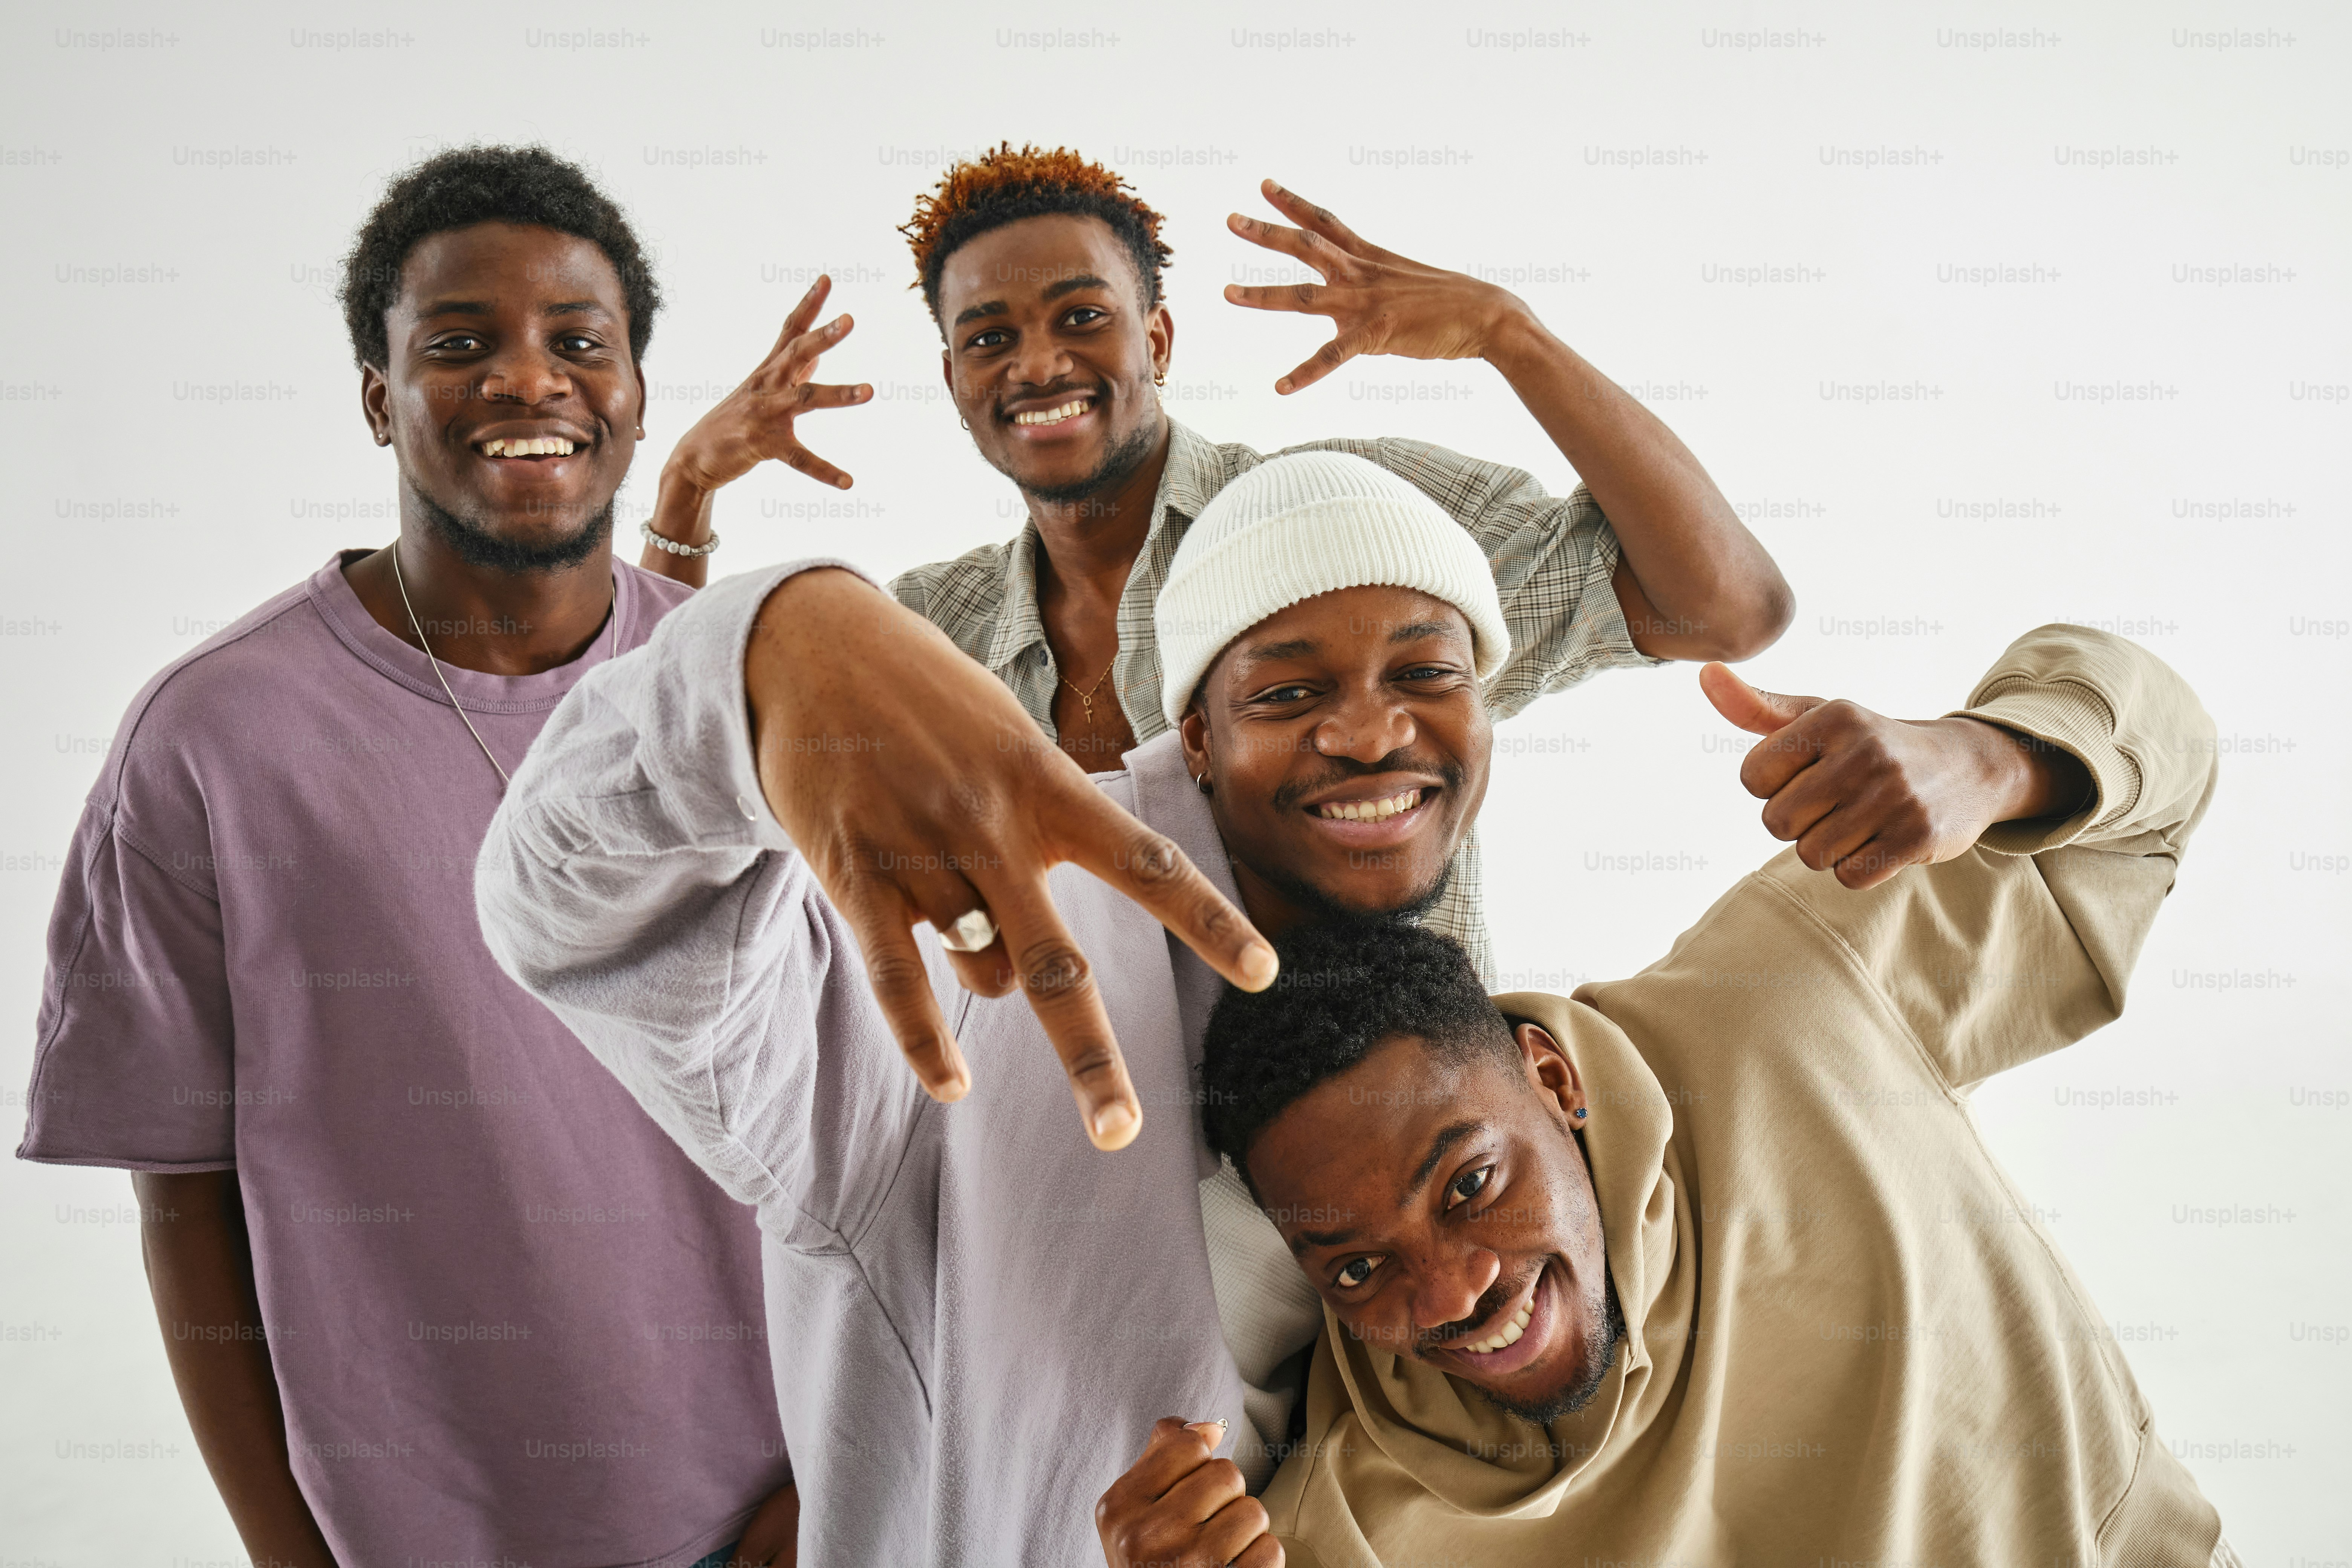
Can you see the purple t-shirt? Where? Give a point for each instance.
(512, 1322)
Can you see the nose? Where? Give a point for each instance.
(1365, 727)
(526, 373)
(1447, 1287)
(1038, 360)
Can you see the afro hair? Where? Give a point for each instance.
(1006, 186)
(466, 186)
(1346, 989)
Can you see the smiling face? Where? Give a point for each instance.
(1441, 1203)
(1051, 353)
(511, 399)
(1346, 744)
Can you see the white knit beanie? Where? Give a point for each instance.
(1309, 524)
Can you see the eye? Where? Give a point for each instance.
(1427, 672)
(1292, 691)
(1354, 1272)
(457, 343)
(577, 344)
(1084, 316)
(1468, 1185)
(995, 337)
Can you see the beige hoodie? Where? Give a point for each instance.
(1851, 1339)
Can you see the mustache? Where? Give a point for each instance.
(1482, 1314)
(1343, 770)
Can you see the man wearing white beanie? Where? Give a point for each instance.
(710, 866)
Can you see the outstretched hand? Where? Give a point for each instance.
(755, 423)
(918, 791)
(1867, 795)
(1381, 302)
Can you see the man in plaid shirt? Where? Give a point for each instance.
(1043, 271)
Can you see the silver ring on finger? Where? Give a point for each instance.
(971, 932)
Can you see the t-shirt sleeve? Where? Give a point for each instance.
(1554, 559)
(134, 1055)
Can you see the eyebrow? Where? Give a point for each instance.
(1446, 1138)
(1268, 653)
(1412, 629)
(1071, 285)
(484, 308)
(992, 308)
(1306, 1239)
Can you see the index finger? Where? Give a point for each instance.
(1320, 220)
(1780, 756)
(1148, 867)
(803, 313)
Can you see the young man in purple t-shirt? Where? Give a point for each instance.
(434, 1288)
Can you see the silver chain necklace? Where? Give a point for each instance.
(612, 618)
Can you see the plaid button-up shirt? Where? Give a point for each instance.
(1553, 557)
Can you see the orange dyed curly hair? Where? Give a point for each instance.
(1005, 186)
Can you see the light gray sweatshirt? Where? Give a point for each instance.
(974, 1316)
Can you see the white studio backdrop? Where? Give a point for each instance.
(1984, 316)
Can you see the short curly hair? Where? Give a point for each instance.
(1006, 186)
(465, 185)
(1347, 987)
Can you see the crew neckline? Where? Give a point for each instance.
(357, 630)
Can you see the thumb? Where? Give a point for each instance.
(1757, 713)
(1211, 1432)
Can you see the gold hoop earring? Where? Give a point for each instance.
(1160, 376)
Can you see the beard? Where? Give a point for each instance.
(1599, 1353)
(1117, 463)
(1322, 910)
(477, 546)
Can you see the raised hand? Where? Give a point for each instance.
(1868, 795)
(1178, 1508)
(1381, 302)
(918, 791)
(754, 423)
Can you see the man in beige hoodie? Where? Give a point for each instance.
(1711, 1265)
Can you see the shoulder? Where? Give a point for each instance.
(658, 595)
(958, 593)
(205, 701)
(1450, 477)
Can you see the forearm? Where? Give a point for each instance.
(1694, 582)
(200, 1272)
(681, 513)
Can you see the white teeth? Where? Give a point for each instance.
(1512, 1333)
(1373, 810)
(532, 447)
(1053, 415)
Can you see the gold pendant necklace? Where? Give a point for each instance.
(1086, 696)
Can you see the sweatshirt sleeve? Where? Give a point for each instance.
(2027, 942)
(635, 881)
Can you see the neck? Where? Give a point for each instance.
(1273, 911)
(1092, 542)
(481, 617)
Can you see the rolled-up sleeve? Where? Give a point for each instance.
(635, 881)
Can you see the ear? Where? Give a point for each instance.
(638, 371)
(1159, 332)
(1552, 1072)
(1193, 730)
(375, 404)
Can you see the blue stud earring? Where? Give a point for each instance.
(1579, 1113)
